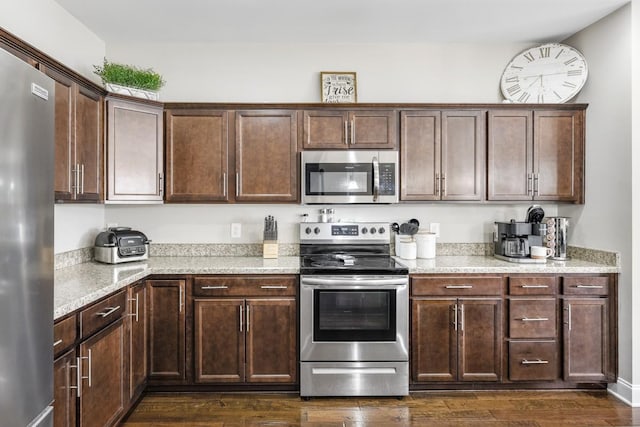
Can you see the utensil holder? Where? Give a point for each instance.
(270, 249)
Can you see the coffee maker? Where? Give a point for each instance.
(512, 240)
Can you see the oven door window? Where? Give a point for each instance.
(354, 315)
(339, 179)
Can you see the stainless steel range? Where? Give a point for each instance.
(354, 312)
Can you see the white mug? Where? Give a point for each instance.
(541, 252)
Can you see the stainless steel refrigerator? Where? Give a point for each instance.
(26, 244)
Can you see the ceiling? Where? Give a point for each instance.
(338, 21)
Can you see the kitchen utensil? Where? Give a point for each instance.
(408, 228)
(395, 227)
(414, 221)
(270, 228)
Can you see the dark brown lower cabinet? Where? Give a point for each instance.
(137, 335)
(456, 339)
(102, 397)
(64, 390)
(166, 300)
(240, 340)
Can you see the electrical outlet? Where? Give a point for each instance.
(236, 230)
(434, 227)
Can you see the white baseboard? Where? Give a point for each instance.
(626, 392)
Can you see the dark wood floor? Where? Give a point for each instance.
(504, 408)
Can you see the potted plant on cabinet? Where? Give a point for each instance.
(130, 80)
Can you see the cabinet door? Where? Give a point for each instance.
(64, 393)
(197, 156)
(327, 129)
(373, 129)
(219, 340)
(271, 340)
(463, 151)
(510, 155)
(102, 395)
(138, 350)
(420, 155)
(434, 340)
(266, 164)
(586, 339)
(89, 143)
(558, 156)
(134, 152)
(480, 342)
(64, 178)
(166, 330)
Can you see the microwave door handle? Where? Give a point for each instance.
(376, 179)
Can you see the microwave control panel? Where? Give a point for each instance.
(387, 179)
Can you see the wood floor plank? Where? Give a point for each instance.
(482, 408)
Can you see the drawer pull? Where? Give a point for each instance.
(273, 287)
(534, 319)
(589, 286)
(214, 287)
(57, 343)
(459, 286)
(534, 362)
(534, 286)
(110, 310)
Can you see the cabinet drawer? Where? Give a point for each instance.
(533, 285)
(456, 286)
(64, 334)
(245, 286)
(532, 318)
(585, 285)
(99, 315)
(533, 361)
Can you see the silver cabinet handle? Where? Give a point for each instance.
(78, 368)
(346, 133)
(135, 315)
(534, 286)
(273, 287)
(237, 184)
(459, 286)
(534, 319)
(462, 317)
(436, 184)
(536, 184)
(90, 370)
(530, 184)
(455, 317)
(224, 184)
(568, 322)
(444, 184)
(82, 178)
(57, 343)
(376, 178)
(180, 299)
(160, 184)
(79, 371)
(76, 179)
(110, 310)
(248, 316)
(214, 287)
(353, 131)
(534, 362)
(589, 286)
(241, 316)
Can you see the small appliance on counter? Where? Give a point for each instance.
(513, 240)
(121, 244)
(556, 238)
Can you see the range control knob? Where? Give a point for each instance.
(373, 230)
(364, 230)
(316, 230)
(307, 230)
(381, 230)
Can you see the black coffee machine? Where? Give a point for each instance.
(512, 240)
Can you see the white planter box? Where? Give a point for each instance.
(132, 91)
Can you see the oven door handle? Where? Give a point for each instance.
(369, 282)
(376, 179)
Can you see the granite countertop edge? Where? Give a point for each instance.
(82, 284)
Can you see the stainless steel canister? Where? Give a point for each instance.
(556, 236)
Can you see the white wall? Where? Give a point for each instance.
(51, 29)
(76, 225)
(605, 221)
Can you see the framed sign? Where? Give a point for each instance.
(338, 86)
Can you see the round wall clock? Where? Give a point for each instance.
(549, 73)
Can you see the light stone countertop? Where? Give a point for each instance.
(82, 284)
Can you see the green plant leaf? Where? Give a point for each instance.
(129, 75)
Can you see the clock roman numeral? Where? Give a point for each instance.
(540, 98)
(559, 53)
(513, 89)
(556, 94)
(545, 52)
(570, 61)
(577, 72)
(516, 67)
(569, 84)
(512, 79)
(529, 56)
(524, 97)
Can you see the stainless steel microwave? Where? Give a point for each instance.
(349, 176)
